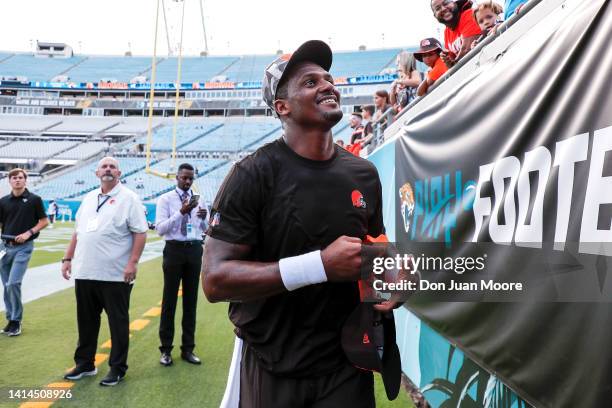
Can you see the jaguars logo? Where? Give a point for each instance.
(406, 195)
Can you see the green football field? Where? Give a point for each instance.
(43, 352)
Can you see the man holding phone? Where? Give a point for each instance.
(180, 220)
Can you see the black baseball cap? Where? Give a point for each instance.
(315, 51)
(368, 340)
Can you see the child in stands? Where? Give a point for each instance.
(487, 15)
(429, 53)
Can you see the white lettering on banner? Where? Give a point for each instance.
(530, 233)
(159, 104)
(482, 205)
(44, 102)
(567, 153)
(598, 192)
(508, 167)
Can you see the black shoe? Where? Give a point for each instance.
(190, 357)
(14, 329)
(166, 359)
(6, 328)
(79, 372)
(112, 378)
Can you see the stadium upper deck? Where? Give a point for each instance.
(210, 86)
(245, 68)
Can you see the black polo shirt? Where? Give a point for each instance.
(19, 214)
(282, 205)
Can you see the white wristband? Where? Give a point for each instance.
(302, 270)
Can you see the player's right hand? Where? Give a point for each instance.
(342, 259)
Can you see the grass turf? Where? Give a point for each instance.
(44, 351)
(51, 244)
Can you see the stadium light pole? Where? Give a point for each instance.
(152, 94)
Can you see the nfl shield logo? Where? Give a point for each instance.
(216, 220)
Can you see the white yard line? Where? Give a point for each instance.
(47, 279)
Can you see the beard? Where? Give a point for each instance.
(452, 23)
(333, 117)
(108, 177)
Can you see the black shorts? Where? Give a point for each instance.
(347, 387)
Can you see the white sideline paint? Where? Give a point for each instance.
(47, 279)
(231, 397)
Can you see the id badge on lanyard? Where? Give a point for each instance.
(191, 231)
(92, 225)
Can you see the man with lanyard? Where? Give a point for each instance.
(22, 216)
(103, 254)
(287, 263)
(181, 225)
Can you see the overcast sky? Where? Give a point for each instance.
(233, 26)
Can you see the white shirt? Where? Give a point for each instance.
(104, 227)
(168, 217)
